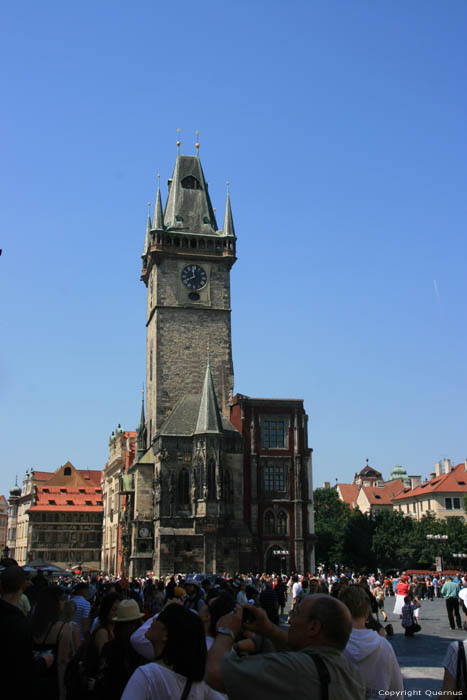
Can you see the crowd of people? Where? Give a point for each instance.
(187, 637)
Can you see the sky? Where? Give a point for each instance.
(341, 128)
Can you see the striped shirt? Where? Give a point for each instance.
(83, 608)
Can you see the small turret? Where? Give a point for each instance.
(141, 433)
(147, 237)
(158, 218)
(228, 228)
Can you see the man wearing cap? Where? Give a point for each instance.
(311, 665)
(194, 599)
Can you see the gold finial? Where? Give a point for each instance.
(228, 186)
(197, 143)
(178, 140)
(142, 389)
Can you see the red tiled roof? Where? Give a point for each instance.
(42, 476)
(349, 493)
(71, 509)
(61, 494)
(383, 495)
(446, 483)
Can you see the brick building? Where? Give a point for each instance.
(57, 516)
(277, 477)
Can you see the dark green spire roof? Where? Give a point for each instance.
(141, 432)
(188, 205)
(158, 218)
(209, 417)
(228, 228)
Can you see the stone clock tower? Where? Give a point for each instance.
(186, 269)
(184, 493)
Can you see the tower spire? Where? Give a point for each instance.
(209, 417)
(141, 432)
(148, 231)
(158, 219)
(228, 228)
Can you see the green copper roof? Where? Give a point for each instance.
(188, 205)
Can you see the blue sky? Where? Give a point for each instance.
(341, 127)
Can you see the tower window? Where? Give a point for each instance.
(269, 525)
(228, 495)
(211, 480)
(274, 477)
(282, 523)
(191, 183)
(273, 434)
(183, 487)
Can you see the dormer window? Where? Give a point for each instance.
(67, 471)
(191, 183)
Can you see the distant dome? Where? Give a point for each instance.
(15, 491)
(398, 473)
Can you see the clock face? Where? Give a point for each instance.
(144, 532)
(194, 277)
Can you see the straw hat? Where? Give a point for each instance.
(127, 611)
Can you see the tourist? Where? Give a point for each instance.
(379, 597)
(17, 662)
(409, 622)
(52, 635)
(194, 599)
(118, 659)
(402, 588)
(178, 640)
(83, 607)
(368, 650)
(450, 592)
(455, 670)
(318, 633)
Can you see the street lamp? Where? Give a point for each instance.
(438, 539)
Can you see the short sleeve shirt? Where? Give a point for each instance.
(280, 675)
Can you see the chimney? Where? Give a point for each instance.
(326, 484)
(447, 466)
(415, 481)
(432, 475)
(438, 468)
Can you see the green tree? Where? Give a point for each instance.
(358, 551)
(393, 541)
(331, 517)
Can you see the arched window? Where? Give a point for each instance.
(190, 183)
(67, 471)
(269, 523)
(211, 480)
(228, 487)
(183, 487)
(282, 523)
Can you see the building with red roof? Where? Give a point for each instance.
(57, 516)
(441, 495)
(370, 493)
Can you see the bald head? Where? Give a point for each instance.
(320, 620)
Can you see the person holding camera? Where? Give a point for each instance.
(308, 658)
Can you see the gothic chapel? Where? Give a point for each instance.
(213, 473)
